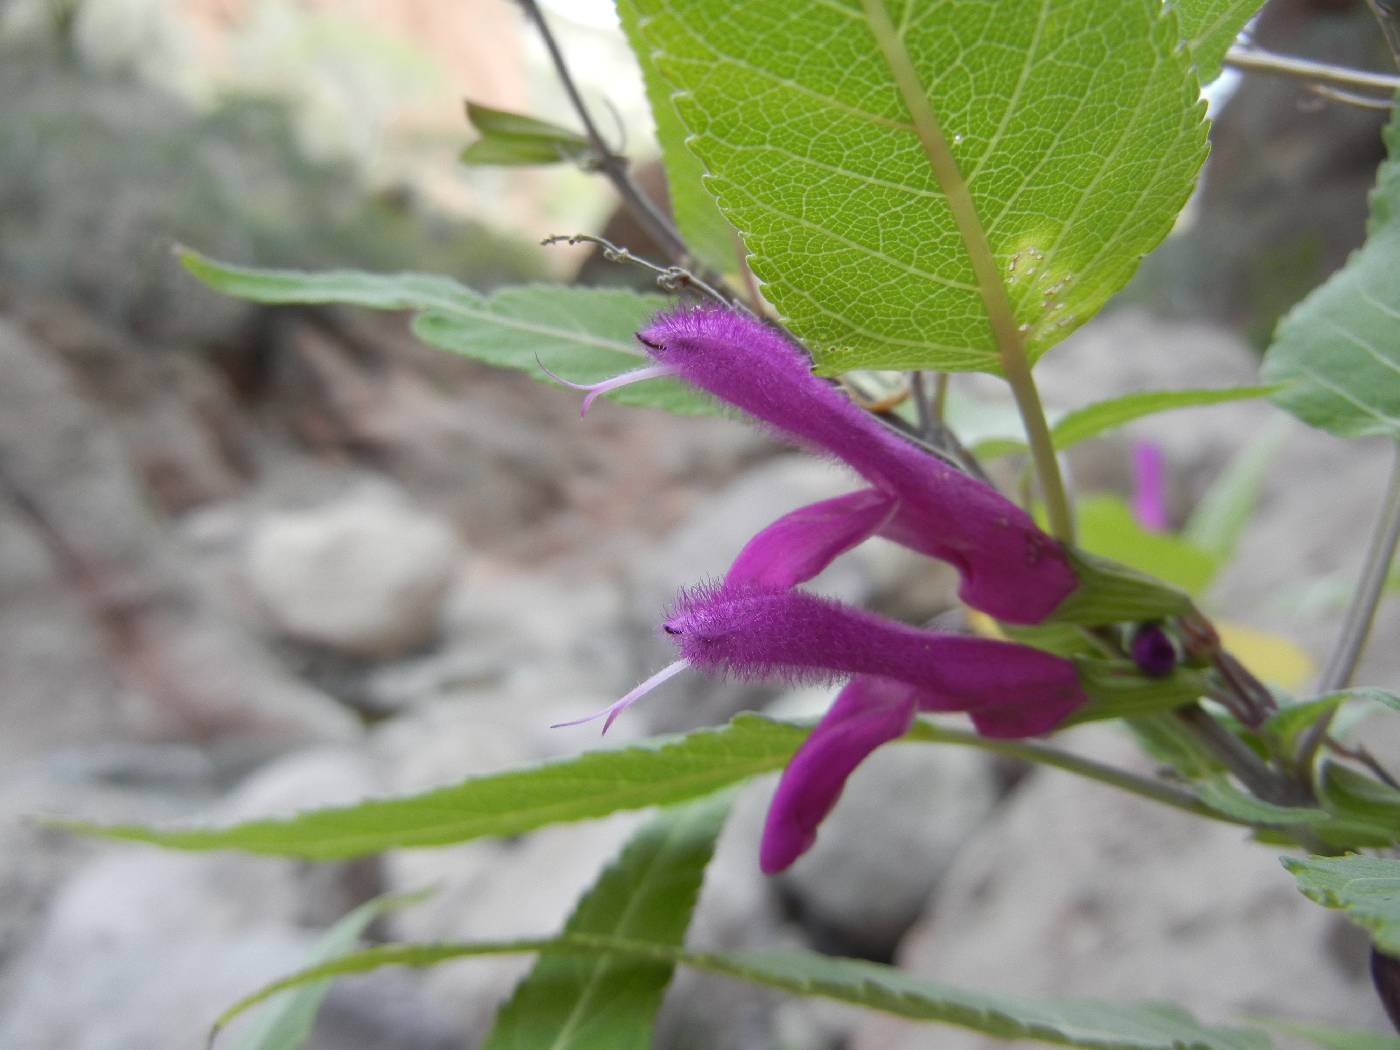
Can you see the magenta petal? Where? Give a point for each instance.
(1010, 569)
(1030, 717)
(799, 545)
(866, 714)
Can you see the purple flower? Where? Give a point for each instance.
(757, 624)
(1010, 569)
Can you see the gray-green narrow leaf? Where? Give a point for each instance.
(606, 1002)
(1090, 1024)
(592, 785)
(580, 334)
(1075, 126)
(285, 1022)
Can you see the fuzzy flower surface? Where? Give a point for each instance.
(757, 623)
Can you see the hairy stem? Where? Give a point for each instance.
(1045, 755)
(1011, 349)
(1356, 627)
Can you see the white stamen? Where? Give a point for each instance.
(616, 708)
(602, 387)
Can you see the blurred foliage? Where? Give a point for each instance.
(100, 174)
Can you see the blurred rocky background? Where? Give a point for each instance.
(259, 560)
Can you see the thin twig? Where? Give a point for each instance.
(1257, 60)
(1341, 664)
(1361, 754)
(741, 258)
(668, 278)
(1048, 755)
(940, 398)
(1262, 781)
(614, 167)
(923, 403)
(1352, 98)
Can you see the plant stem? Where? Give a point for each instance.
(1262, 781)
(1356, 627)
(614, 167)
(1006, 333)
(1045, 755)
(923, 404)
(1256, 60)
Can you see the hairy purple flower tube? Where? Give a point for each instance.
(752, 632)
(1008, 690)
(1010, 569)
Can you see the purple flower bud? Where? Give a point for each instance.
(1153, 651)
(1010, 568)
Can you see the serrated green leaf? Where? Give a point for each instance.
(1094, 1025)
(581, 334)
(1366, 888)
(571, 1002)
(1210, 27)
(1066, 138)
(513, 138)
(1102, 416)
(651, 773)
(1218, 521)
(706, 232)
(286, 1022)
(1341, 345)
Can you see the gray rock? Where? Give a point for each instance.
(1078, 890)
(101, 633)
(365, 574)
(142, 949)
